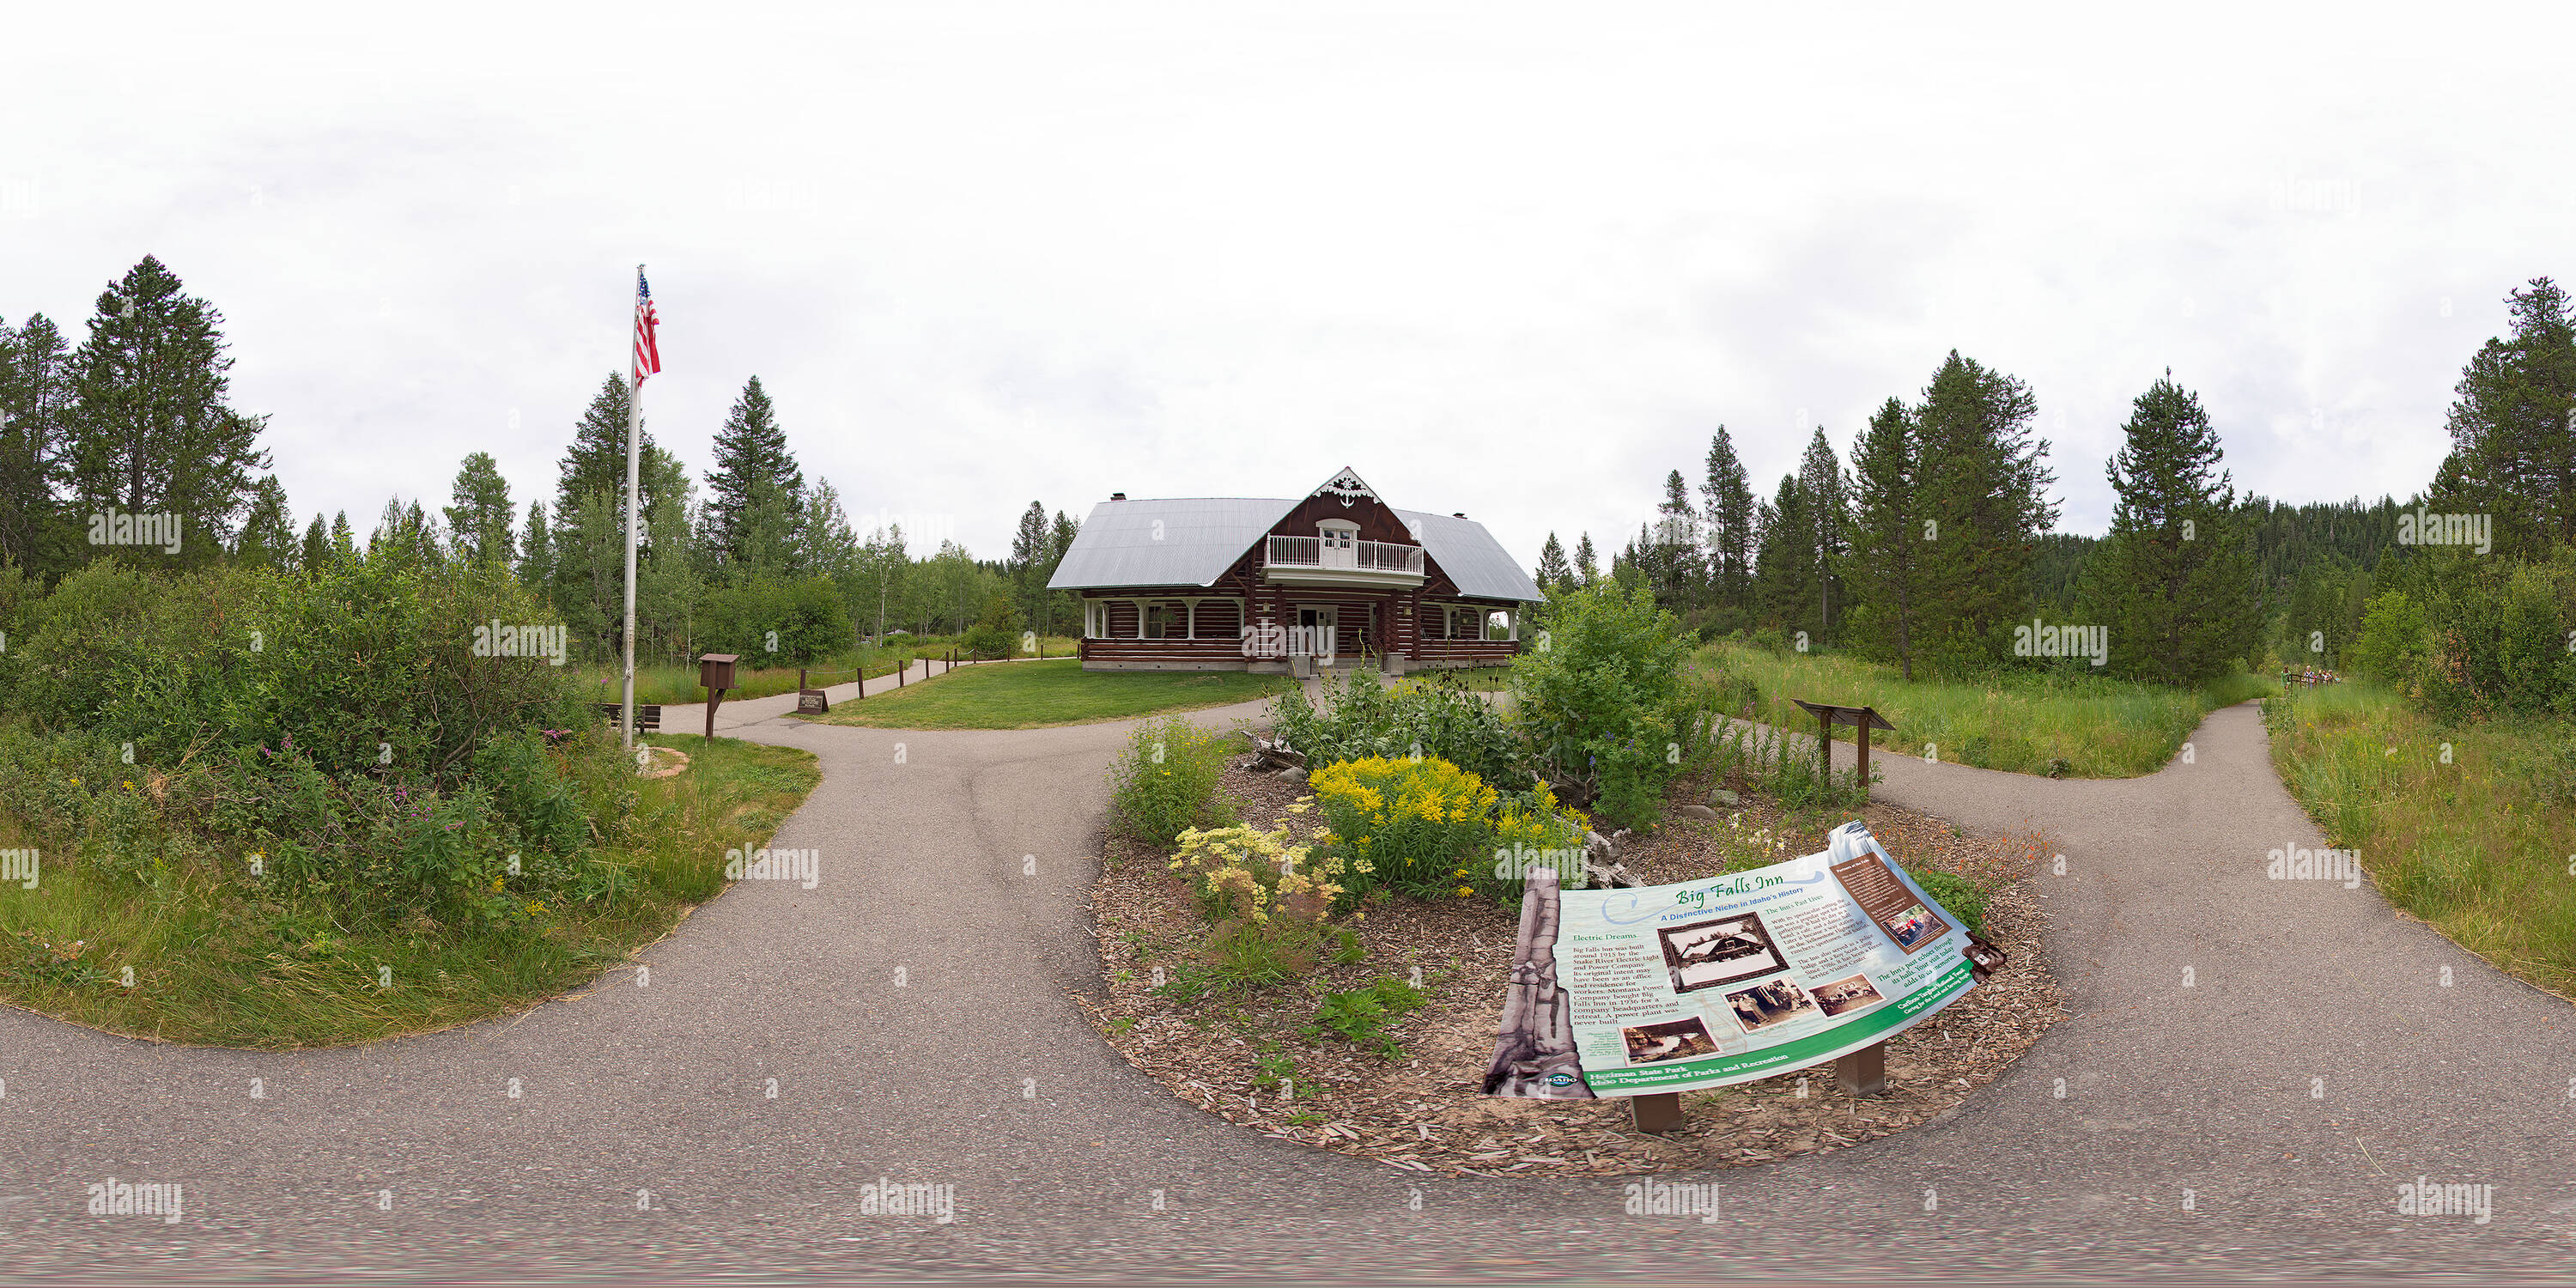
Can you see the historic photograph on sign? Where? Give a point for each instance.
(1847, 995)
(1773, 1002)
(1912, 926)
(1709, 953)
(1672, 1040)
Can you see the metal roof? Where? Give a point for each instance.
(1191, 541)
(1186, 542)
(1470, 555)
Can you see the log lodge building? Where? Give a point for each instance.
(1338, 578)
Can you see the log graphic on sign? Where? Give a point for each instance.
(1535, 1054)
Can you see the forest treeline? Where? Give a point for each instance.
(1927, 542)
(105, 444)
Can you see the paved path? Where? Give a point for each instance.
(912, 1010)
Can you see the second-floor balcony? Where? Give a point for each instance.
(1318, 557)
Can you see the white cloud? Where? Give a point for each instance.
(1515, 262)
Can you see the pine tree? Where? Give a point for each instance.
(1554, 575)
(1821, 483)
(1587, 567)
(1028, 562)
(150, 431)
(596, 462)
(317, 548)
(1726, 501)
(2172, 582)
(756, 490)
(1785, 590)
(1674, 564)
(1064, 607)
(2513, 427)
(537, 553)
(35, 406)
(268, 534)
(403, 534)
(1886, 538)
(1981, 483)
(344, 539)
(479, 519)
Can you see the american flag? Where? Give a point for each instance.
(648, 355)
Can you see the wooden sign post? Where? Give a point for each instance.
(1827, 716)
(715, 675)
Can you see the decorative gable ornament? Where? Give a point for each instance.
(1347, 487)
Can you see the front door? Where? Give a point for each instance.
(1317, 627)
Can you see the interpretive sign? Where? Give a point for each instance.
(1654, 989)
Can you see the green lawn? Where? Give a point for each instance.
(217, 964)
(2483, 847)
(677, 685)
(2100, 728)
(1033, 695)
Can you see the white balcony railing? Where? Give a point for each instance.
(1367, 556)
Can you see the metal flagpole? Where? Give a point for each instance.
(634, 434)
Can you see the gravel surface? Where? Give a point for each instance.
(1426, 1112)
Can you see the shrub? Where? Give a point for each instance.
(1437, 716)
(775, 623)
(1606, 702)
(1961, 896)
(332, 736)
(1165, 782)
(1409, 824)
(997, 633)
(1239, 873)
(2393, 648)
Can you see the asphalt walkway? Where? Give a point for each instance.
(2253, 1068)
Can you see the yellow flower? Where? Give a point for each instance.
(1464, 891)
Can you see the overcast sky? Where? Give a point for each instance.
(1510, 261)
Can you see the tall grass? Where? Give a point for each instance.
(2030, 722)
(2482, 845)
(216, 962)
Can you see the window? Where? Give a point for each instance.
(1167, 620)
(1095, 619)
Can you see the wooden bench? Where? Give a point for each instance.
(648, 716)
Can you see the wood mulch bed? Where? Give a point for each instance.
(1425, 1110)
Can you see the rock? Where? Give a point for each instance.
(1699, 811)
(1293, 774)
(1721, 796)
